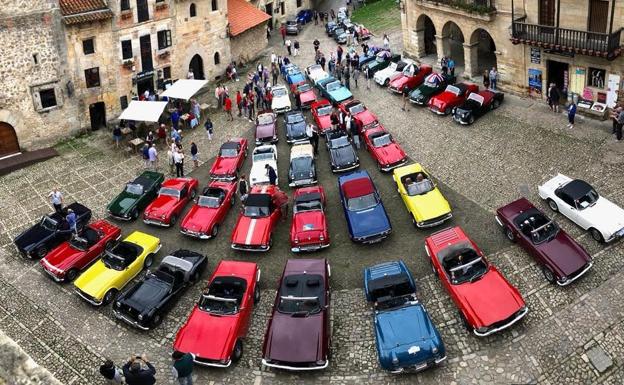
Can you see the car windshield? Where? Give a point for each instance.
(171, 192)
(308, 206)
(256, 211)
(79, 243)
(363, 202)
(294, 118)
(341, 141)
(322, 111)
(134, 189)
(418, 188)
(208, 201)
(304, 87)
(382, 140)
(48, 223)
(587, 200)
(339, 31)
(299, 305)
(265, 119)
(356, 109)
(536, 226)
(228, 153)
(453, 90)
(278, 92)
(333, 86)
(263, 156)
(218, 305)
(464, 265)
(392, 303)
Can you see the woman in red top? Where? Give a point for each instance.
(228, 107)
(239, 101)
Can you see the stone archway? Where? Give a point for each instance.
(426, 35)
(452, 43)
(15, 121)
(9, 144)
(196, 66)
(482, 52)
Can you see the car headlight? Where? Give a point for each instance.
(321, 238)
(162, 216)
(296, 240)
(117, 304)
(482, 329)
(434, 350)
(140, 317)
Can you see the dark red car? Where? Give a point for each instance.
(364, 117)
(218, 324)
(66, 260)
(173, 195)
(452, 96)
(487, 302)
(321, 112)
(308, 231)
(562, 259)
(384, 149)
(305, 93)
(298, 336)
(410, 80)
(230, 159)
(209, 211)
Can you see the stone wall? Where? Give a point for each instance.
(246, 46)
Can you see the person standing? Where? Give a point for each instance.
(228, 107)
(178, 159)
(355, 131)
(271, 174)
(333, 118)
(274, 73)
(347, 77)
(288, 44)
(175, 119)
(153, 157)
(553, 97)
(316, 45)
(322, 62)
(309, 130)
(486, 79)
(356, 75)
(367, 75)
(493, 78)
(296, 47)
(339, 53)
(136, 374)
(145, 153)
(56, 199)
(239, 100)
(242, 188)
(571, 114)
(208, 127)
(111, 373)
(268, 32)
(72, 221)
(194, 155)
(117, 135)
(405, 93)
(316, 17)
(451, 66)
(620, 124)
(315, 140)
(386, 41)
(250, 107)
(283, 33)
(182, 368)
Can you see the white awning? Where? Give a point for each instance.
(184, 89)
(143, 111)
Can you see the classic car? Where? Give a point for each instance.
(50, 231)
(295, 126)
(135, 196)
(363, 32)
(322, 82)
(305, 94)
(302, 170)
(335, 92)
(364, 117)
(405, 337)
(287, 68)
(321, 113)
(392, 71)
(315, 72)
(477, 104)
(294, 76)
(145, 303)
(433, 85)
(298, 336)
(487, 302)
(304, 16)
(229, 160)
(342, 155)
(219, 321)
(423, 200)
(369, 56)
(581, 203)
(64, 262)
(292, 27)
(364, 211)
(411, 77)
(281, 100)
(561, 258)
(261, 212)
(308, 231)
(382, 60)
(384, 149)
(209, 211)
(121, 262)
(266, 127)
(172, 197)
(452, 96)
(260, 157)
(329, 27)
(340, 35)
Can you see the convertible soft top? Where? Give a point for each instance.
(258, 200)
(576, 189)
(308, 197)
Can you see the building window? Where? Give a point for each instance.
(123, 102)
(48, 98)
(92, 77)
(215, 5)
(282, 8)
(193, 10)
(142, 11)
(596, 77)
(125, 5)
(217, 58)
(167, 73)
(126, 49)
(35, 57)
(88, 46)
(164, 39)
(298, 3)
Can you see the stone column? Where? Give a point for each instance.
(418, 39)
(471, 59)
(442, 46)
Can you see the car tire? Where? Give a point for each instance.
(448, 111)
(215, 231)
(194, 277)
(471, 120)
(509, 234)
(149, 261)
(237, 353)
(597, 235)
(109, 296)
(495, 104)
(386, 82)
(71, 275)
(256, 296)
(156, 320)
(553, 206)
(41, 252)
(173, 220)
(465, 322)
(134, 214)
(548, 274)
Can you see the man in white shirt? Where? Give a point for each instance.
(153, 157)
(56, 199)
(178, 160)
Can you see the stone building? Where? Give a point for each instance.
(247, 30)
(575, 44)
(280, 10)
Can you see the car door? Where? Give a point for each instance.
(247, 307)
(184, 196)
(565, 204)
(95, 249)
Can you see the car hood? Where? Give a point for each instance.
(565, 254)
(31, 237)
(207, 336)
(295, 339)
(301, 174)
(399, 82)
(281, 101)
(265, 131)
(343, 155)
(605, 216)
(424, 91)
(258, 172)
(430, 205)
(224, 166)
(366, 117)
(442, 100)
(386, 72)
(370, 221)
(307, 96)
(147, 295)
(251, 231)
(340, 94)
(123, 203)
(391, 153)
(64, 256)
(199, 219)
(391, 329)
(162, 205)
(308, 223)
(97, 279)
(324, 121)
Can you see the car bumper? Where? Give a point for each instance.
(195, 234)
(615, 236)
(120, 217)
(376, 238)
(436, 111)
(343, 169)
(129, 321)
(393, 166)
(460, 120)
(155, 222)
(418, 367)
(52, 271)
(254, 248)
(295, 368)
(397, 91)
(292, 31)
(304, 248)
(266, 140)
(512, 321)
(227, 177)
(211, 363)
(302, 182)
(379, 81)
(282, 110)
(88, 298)
(420, 102)
(576, 275)
(435, 221)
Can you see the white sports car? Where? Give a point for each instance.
(281, 100)
(578, 201)
(261, 156)
(315, 73)
(386, 75)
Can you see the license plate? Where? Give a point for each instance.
(420, 367)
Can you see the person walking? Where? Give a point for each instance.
(288, 44)
(339, 52)
(347, 77)
(296, 47)
(620, 124)
(111, 373)
(356, 75)
(493, 78)
(451, 66)
(271, 174)
(208, 127)
(367, 75)
(153, 157)
(322, 62)
(571, 114)
(117, 135)
(333, 118)
(283, 33)
(386, 41)
(139, 371)
(72, 221)
(354, 131)
(194, 156)
(316, 44)
(145, 153)
(274, 73)
(331, 65)
(228, 107)
(315, 140)
(486, 79)
(243, 188)
(178, 159)
(182, 368)
(268, 33)
(56, 200)
(553, 97)
(250, 107)
(405, 93)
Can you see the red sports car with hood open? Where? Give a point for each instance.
(410, 78)
(384, 149)
(321, 112)
(308, 231)
(305, 93)
(218, 324)
(173, 195)
(66, 260)
(230, 159)
(262, 210)
(298, 336)
(364, 117)
(452, 96)
(487, 302)
(209, 211)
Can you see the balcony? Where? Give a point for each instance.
(603, 45)
(480, 7)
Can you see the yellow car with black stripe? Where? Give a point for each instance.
(119, 264)
(424, 201)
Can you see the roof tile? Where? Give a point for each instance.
(243, 16)
(73, 7)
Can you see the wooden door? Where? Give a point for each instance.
(547, 12)
(8, 140)
(598, 16)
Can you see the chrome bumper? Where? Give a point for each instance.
(258, 249)
(155, 223)
(88, 299)
(295, 368)
(569, 281)
(299, 249)
(195, 235)
(392, 167)
(418, 368)
(436, 223)
(505, 326)
(129, 321)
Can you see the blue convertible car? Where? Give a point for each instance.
(366, 216)
(294, 76)
(406, 338)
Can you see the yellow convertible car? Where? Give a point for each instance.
(425, 203)
(99, 284)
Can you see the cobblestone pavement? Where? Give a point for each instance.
(503, 156)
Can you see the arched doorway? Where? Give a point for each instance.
(197, 67)
(482, 41)
(453, 43)
(9, 144)
(426, 35)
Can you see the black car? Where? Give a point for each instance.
(295, 126)
(302, 170)
(50, 231)
(341, 152)
(339, 35)
(477, 104)
(329, 27)
(145, 303)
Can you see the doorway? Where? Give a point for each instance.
(146, 53)
(269, 11)
(196, 66)
(9, 144)
(146, 84)
(97, 113)
(557, 72)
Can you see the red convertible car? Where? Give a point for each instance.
(411, 78)
(65, 261)
(230, 159)
(364, 117)
(264, 207)
(487, 302)
(562, 259)
(298, 336)
(305, 93)
(384, 149)
(321, 112)
(174, 194)
(453, 96)
(218, 323)
(203, 219)
(308, 231)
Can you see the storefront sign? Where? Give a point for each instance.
(536, 55)
(145, 74)
(535, 82)
(613, 86)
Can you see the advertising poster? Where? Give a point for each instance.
(535, 82)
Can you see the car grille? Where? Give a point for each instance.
(507, 320)
(436, 220)
(249, 247)
(373, 238)
(282, 109)
(87, 296)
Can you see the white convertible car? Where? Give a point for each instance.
(578, 201)
(315, 73)
(388, 74)
(261, 156)
(281, 100)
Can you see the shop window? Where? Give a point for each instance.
(88, 46)
(215, 5)
(48, 98)
(92, 77)
(192, 10)
(164, 39)
(596, 77)
(125, 5)
(167, 73)
(126, 49)
(217, 58)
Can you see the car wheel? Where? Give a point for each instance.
(173, 220)
(471, 120)
(237, 353)
(448, 111)
(149, 260)
(495, 104)
(41, 252)
(109, 296)
(194, 277)
(215, 231)
(256, 298)
(71, 275)
(156, 320)
(386, 82)
(548, 274)
(553, 206)
(509, 234)
(465, 322)
(597, 235)
(134, 214)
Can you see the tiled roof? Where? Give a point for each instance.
(81, 11)
(243, 16)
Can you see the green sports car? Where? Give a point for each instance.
(135, 196)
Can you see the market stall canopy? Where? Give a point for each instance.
(143, 111)
(184, 89)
